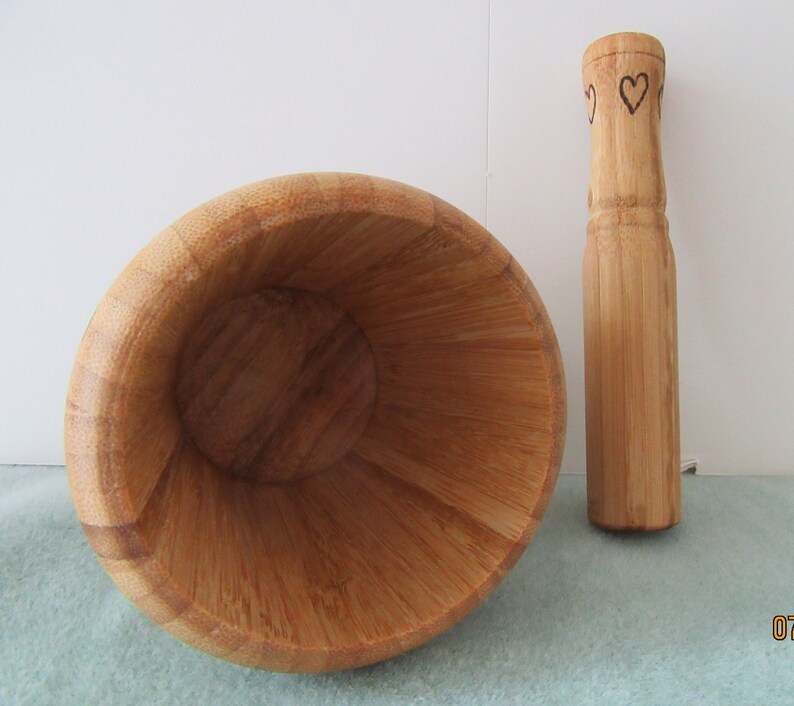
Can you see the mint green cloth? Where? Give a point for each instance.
(586, 617)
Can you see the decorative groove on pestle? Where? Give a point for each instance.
(617, 53)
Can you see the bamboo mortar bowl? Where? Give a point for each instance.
(315, 421)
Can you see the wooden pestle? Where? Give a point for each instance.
(631, 359)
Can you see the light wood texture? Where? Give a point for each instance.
(315, 422)
(630, 333)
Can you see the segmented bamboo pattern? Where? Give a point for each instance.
(315, 422)
(630, 333)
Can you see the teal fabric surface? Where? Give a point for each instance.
(586, 617)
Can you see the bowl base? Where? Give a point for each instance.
(277, 385)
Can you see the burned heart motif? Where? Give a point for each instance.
(661, 93)
(636, 87)
(590, 94)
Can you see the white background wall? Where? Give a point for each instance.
(118, 117)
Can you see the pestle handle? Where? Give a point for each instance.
(624, 84)
(630, 330)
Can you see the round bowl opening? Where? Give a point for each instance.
(315, 422)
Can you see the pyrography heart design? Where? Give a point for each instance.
(590, 93)
(630, 99)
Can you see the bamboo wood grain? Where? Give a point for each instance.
(630, 331)
(315, 422)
